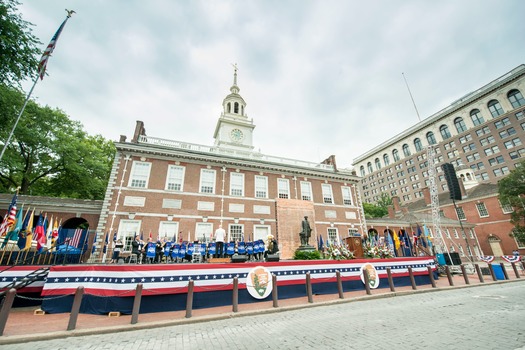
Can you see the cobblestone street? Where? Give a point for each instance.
(484, 317)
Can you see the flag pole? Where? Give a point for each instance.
(41, 70)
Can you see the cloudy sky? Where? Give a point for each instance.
(319, 77)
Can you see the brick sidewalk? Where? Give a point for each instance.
(50, 326)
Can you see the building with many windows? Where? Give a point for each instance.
(185, 191)
(482, 132)
(482, 135)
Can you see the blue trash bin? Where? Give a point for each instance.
(441, 259)
(498, 271)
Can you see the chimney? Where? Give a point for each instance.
(122, 138)
(330, 161)
(391, 212)
(426, 196)
(397, 205)
(139, 131)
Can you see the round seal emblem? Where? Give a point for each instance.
(373, 277)
(259, 282)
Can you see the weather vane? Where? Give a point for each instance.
(69, 13)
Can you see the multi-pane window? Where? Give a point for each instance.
(456, 234)
(484, 130)
(445, 133)
(369, 166)
(495, 108)
(306, 191)
(127, 230)
(395, 155)
(207, 184)
(507, 133)
(261, 186)
(406, 150)
(460, 213)
(175, 178)
(469, 147)
(333, 236)
(431, 139)
(236, 232)
(465, 138)
(491, 150)
(501, 123)
(168, 229)
(378, 164)
(328, 197)
(482, 177)
(347, 195)
(460, 125)
(485, 141)
(139, 174)
(418, 145)
(386, 159)
(520, 115)
(506, 207)
(476, 117)
(447, 233)
(512, 143)
(236, 184)
(482, 210)
(283, 188)
(496, 160)
(362, 170)
(502, 171)
(516, 98)
(517, 154)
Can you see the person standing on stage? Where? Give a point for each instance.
(219, 240)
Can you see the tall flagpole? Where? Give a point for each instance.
(41, 71)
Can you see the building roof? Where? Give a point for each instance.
(65, 205)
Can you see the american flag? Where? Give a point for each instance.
(49, 50)
(487, 258)
(511, 258)
(75, 241)
(10, 218)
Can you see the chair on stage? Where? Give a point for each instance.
(133, 258)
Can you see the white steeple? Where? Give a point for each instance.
(234, 129)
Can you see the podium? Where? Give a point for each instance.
(355, 244)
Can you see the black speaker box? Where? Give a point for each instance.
(455, 258)
(239, 258)
(452, 181)
(272, 257)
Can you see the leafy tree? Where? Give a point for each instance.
(512, 191)
(19, 50)
(50, 154)
(379, 209)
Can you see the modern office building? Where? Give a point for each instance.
(179, 190)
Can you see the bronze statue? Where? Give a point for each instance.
(306, 231)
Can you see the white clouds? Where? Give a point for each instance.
(319, 77)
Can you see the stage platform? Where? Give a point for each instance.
(110, 288)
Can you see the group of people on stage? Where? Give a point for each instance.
(165, 251)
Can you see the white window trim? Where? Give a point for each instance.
(182, 178)
(326, 189)
(265, 179)
(283, 181)
(214, 180)
(309, 187)
(349, 197)
(479, 213)
(238, 176)
(131, 177)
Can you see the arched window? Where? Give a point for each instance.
(445, 133)
(229, 107)
(516, 98)
(495, 108)
(431, 138)
(236, 108)
(378, 164)
(476, 117)
(460, 125)
(386, 159)
(369, 166)
(418, 145)
(395, 154)
(362, 170)
(406, 150)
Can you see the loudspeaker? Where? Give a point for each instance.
(239, 258)
(272, 257)
(452, 181)
(455, 258)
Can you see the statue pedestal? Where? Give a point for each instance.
(306, 248)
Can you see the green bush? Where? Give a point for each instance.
(307, 255)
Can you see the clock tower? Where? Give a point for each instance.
(234, 130)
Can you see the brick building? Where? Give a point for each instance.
(179, 190)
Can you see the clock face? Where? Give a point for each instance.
(236, 135)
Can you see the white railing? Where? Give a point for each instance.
(231, 152)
